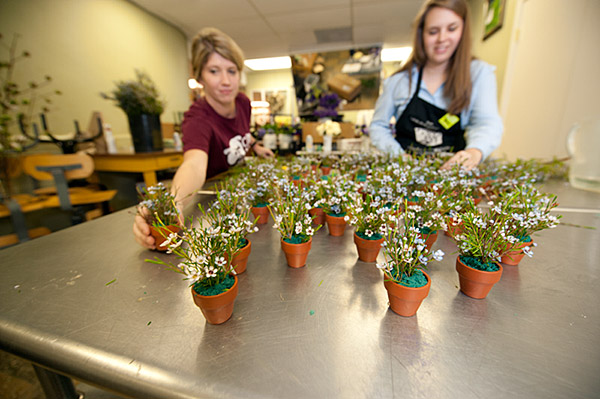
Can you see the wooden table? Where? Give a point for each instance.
(146, 163)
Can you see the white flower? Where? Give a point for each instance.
(438, 255)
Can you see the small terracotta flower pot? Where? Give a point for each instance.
(325, 170)
(159, 238)
(454, 228)
(261, 214)
(476, 283)
(319, 215)
(296, 254)
(336, 225)
(240, 259)
(217, 309)
(405, 301)
(430, 239)
(514, 256)
(367, 249)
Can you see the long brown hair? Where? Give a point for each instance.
(458, 84)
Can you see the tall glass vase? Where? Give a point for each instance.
(327, 143)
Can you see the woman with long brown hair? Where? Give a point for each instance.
(442, 98)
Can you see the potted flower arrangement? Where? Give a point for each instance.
(329, 129)
(481, 244)
(406, 258)
(316, 189)
(289, 210)
(157, 206)
(529, 211)
(335, 204)
(140, 100)
(230, 214)
(257, 181)
(369, 216)
(327, 163)
(204, 255)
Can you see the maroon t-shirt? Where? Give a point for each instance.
(226, 141)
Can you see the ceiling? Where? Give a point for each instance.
(268, 28)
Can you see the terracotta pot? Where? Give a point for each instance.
(454, 229)
(296, 254)
(158, 237)
(430, 239)
(261, 213)
(217, 309)
(476, 283)
(240, 259)
(514, 256)
(319, 215)
(325, 170)
(405, 301)
(367, 249)
(336, 225)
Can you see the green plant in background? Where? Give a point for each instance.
(137, 97)
(17, 105)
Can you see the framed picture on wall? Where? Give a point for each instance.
(494, 17)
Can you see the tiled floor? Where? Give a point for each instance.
(18, 381)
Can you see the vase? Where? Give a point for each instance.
(146, 132)
(367, 249)
(319, 216)
(430, 239)
(160, 235)
(476, 283)
(336, 225)
(217, 309)
(240, 258)
(514, 256)
(261, 214)
(284, 141)
(327, 143)
(296, 254)
(269, 141)
(405, 301)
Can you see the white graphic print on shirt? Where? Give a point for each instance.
(238, 146)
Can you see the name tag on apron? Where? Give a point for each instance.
(448, 120)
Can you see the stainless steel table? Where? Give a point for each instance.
(83, 302)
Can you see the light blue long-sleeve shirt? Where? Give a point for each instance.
(481, 121)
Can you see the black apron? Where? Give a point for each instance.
(425, 128)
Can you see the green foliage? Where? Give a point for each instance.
(137, 97)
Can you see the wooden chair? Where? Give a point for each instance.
(64, 167)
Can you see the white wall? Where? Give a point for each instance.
(87, 45)
(553, 79)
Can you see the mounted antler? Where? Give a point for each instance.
(67, 146)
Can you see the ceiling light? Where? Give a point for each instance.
(395, 54)
(265, 64)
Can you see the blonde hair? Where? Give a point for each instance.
(212, 40)
(458, 84)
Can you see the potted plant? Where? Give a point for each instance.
(335, 204)
(17, 105)
(257, 181)
(229, 213)
(369, 216)
(157, 206)
(204, 257)
(289, 210)
(529, 211)
(406, 258)
(481, 244)
(140, 100)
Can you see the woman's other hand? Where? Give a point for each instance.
(468, 159)
(262, 152)
(141, 230)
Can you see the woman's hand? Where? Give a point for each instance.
(141, 230)
(468, 159)
(262, 152)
